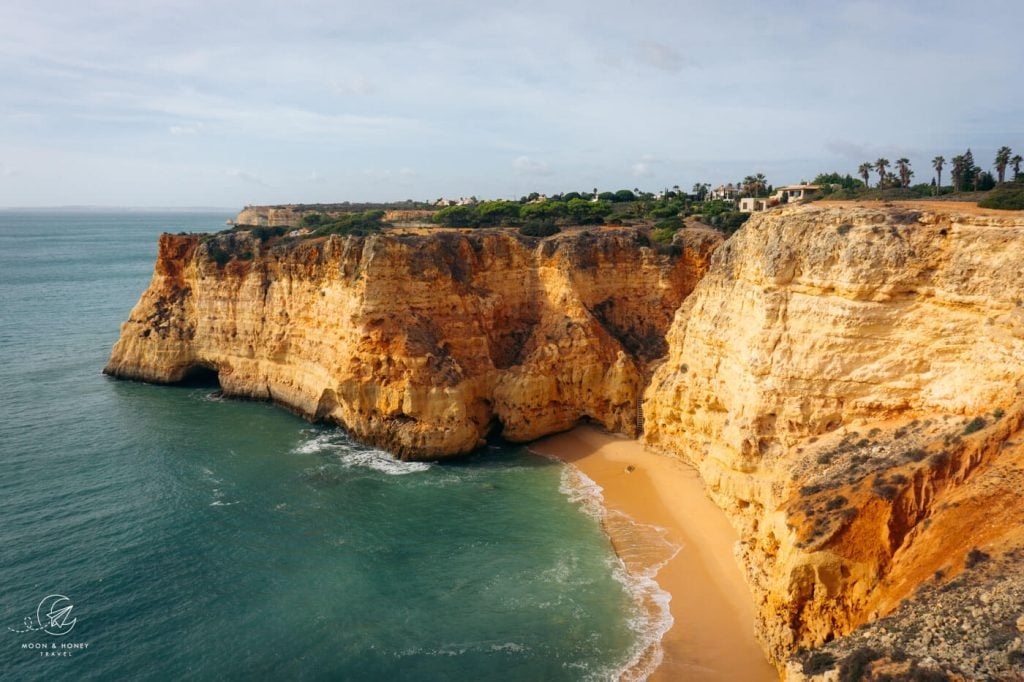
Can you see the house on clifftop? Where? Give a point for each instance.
(726, 192)
(784, 195)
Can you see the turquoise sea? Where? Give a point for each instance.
(199, 538)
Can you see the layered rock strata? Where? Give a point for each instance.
(421, 344)
(846, 380)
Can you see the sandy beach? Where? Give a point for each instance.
(712, 637)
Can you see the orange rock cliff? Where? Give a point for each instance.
(421, 344)
(849, 381)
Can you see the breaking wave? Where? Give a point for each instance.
(351, 455)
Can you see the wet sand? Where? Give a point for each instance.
(712, 637)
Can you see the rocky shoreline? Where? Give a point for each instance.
(845, 378)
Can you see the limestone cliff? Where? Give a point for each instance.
(290, 215)
(849, 383)
(422, 344)
(270, 216)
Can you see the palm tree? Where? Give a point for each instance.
(865, 172)
(747, 186)
(760, 184)
(1002, 160)
(1015, 162)
(937, 164)
(903, 167)
(880, 166)
(957, 171)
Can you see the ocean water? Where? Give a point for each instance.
(200, 538)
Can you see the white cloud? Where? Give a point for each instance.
(644, 168)
(524, 165)
(641, 170)
(246, 177)
(355, 85)
(581, 90)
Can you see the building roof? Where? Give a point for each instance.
(799, 187)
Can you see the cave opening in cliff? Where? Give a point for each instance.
(201, 375)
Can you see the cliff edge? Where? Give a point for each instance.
(848, 379)
(849, 382)
(422, 344)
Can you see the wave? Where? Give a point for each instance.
(352, 455)
(641, 551)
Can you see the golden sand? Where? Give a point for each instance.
(712, 637)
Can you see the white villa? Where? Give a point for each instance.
(461, 201)
(727, 192)
(788, 194)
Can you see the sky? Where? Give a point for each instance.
(223, 103)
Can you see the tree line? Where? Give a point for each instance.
(966, 175)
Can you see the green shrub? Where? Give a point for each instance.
(357, 224)
(314, 220)
(1008, 197)
(835, 503)
(915, 454)
(262, 234)
(975, 557)
(665, 211)
(584, 212)
(663, 235)
(539, 229)
(217, 253)
(976, 424)
(497, 212)
(456, 216)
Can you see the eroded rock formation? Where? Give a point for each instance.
(847, 380)
(421, 344)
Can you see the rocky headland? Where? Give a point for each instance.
(848, 380)
(421, 344)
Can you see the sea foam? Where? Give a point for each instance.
(350, 454)
(642, 550)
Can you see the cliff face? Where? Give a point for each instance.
(848, 380)
(269, 216)
(291, 216)
(421, 344)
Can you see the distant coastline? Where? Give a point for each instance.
(119, 209)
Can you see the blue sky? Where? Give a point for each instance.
(226, 103)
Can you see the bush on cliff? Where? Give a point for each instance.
(357, 224)
(539, 229)
(457, 216)
(509, 213)
(491, 213)
(729, 221)
(262, 234)
(1009, 197)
